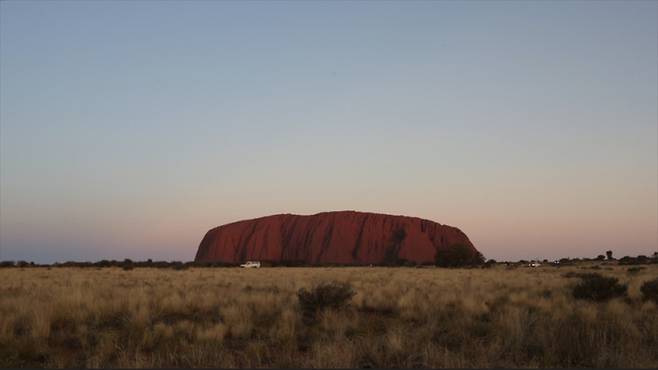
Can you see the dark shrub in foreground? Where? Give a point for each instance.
(332, 295)
(650, 290)
(599, 288)
(581, 275)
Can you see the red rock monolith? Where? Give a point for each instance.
(343, 237)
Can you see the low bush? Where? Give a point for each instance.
(595, 287)
(580, 275)
(650, 290)
(639, 260)
(634, 270)
(331, 295)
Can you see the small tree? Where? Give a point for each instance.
(600, 257)
(609, 254)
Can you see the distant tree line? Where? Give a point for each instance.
(458, 255)
(125, 264)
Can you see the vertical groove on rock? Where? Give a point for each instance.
(326, 239)
(287, 235)
(244, 250)
(359, 239)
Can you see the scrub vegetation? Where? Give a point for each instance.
(499, 316)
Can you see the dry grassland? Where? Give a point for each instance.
(399, 317)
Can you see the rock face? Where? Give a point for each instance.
(344, 237)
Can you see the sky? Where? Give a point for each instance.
(130, 128)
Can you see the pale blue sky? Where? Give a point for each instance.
(128, 129)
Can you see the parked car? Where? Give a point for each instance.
(534, 264)
(251, 264)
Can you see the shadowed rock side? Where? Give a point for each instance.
(344, 237)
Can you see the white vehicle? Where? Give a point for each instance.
(534, 264)
(251, 264)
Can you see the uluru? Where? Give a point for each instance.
(341, 237)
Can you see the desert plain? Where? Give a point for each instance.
(511, 316)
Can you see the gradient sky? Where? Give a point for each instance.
(128, 129)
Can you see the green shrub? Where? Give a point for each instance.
(103, 263)
(331, 295)
(650, 290)
(458, 255)
(566, 262)
(595, 287)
